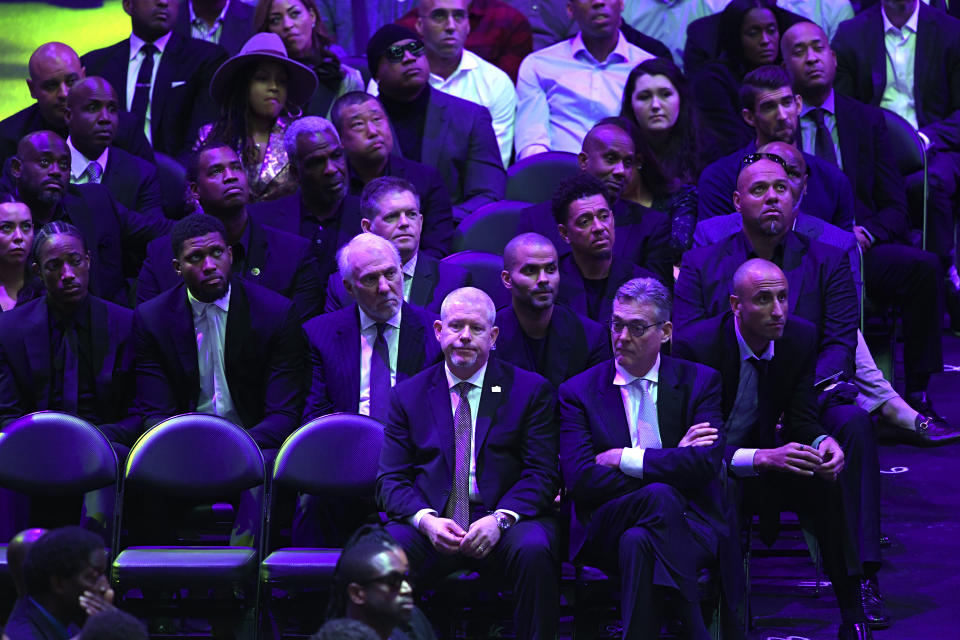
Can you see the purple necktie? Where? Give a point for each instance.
(380, 376)
(458, 505)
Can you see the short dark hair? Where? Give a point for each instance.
(348, 100)
(113, 624)
(769, 77)
(193, 162)
(51, 229)
(61, 553)
(379, 187)
(354, 563)
(582, 185)
(345, 629)
(194, 226)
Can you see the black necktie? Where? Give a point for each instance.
(71, 369)
(141, 95)
(823, 146)
(380, 376)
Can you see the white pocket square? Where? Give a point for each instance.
(495, 389)
(177, 83)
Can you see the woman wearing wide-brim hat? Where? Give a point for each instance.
(260, 91)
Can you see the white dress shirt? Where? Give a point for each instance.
(200, 30)
(667, 20)
(631, 459)
(808, 127)
(133, 69)
(210, 326)
(80, 162)
(563, 91)
(409, 268)
(901, 49)
(368, 335)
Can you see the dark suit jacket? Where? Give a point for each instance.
(821, 291)
(435, 207)
(181, 101)
(25, 364)
(275, 259)
(573, 294)
(645, 42)
(458, 140)
(129, 137)
(333, 341)
(574, 344)
(515, 444)
(828, 197)
(592, 420)
(285, 214)
(861, 68)
(642, 235)
(134, 183)
(869, 165)
(432, 281)
(27, 622)
(263, 357)
(236, 29)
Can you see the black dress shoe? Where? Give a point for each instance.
(874, 606)
(932, 429)
(854, 631)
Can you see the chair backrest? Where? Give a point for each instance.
(907, 147)
(336, 454)
(490, 227)
(194, 455)
(484, 269)
(49, 452)
(535, 178)
(173, 184)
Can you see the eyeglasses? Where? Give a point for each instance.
(393, 580)
(394, 53)
(636, 329)
(757, 157)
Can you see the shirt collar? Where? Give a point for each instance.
(577, 46)
(136, 43)
(746, 353)
(366, 321)
(624, 377)
(194, 19)
(829, 105)
(911, 21)
(468, 62)
(80, 162)
(410, 266)
(476, 379)
(222, 303)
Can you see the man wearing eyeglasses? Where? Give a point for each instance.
(641, 445)
(453, 135)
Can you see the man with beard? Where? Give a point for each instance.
(537, 334)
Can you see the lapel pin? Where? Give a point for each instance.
(495, 389)
(255, 271)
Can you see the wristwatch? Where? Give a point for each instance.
(504, 521)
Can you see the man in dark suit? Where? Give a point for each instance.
(643, 235)
(924, 53)
(589, 276)
(271, 258)
(368, 142)
(641, 447)
(772, 108)
(455, 136)
(116, 236)
(54, 69)
(228, 23)
(162, 78)
(390, 208)
(767, 367)
(537, 334)
(468, 469)
(62, 566)
(360, 352)
(92, 116)
(854, 136)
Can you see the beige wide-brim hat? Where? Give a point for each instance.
(301, 80)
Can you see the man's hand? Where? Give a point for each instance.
(610, 458)
(444, 534)
(863, 238)
(699, 435)
(481, 538)
(790, 458)
(98, 599)
(832, 456)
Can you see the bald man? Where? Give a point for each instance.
(54, 69)
(536, 333)
(766, 359)
(468, 469)
(643, 234)
(92, 115)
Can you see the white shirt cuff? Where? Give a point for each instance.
(631, 461)
(512, 514)
(742, 463)
(418, 516)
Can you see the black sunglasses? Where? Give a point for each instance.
(394, 53)
(756, 157)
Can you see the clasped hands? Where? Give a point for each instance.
(448, 537)
(825, 461)
(699, 435)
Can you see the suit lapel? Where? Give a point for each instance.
(846, 131)
(184, 337)
(238, 334)
(36, 342)
(434, 130)
(165, 75)
(877, 52)
(927, 46)
(425, 278)
(257, 252)
(410, 345)
(610, 401)
(348, 337)
(439, 401)
(671, 417)
(560, 340)
(793, 252)
(116, 66)
(496, 385)
(104, 349)
(571, 283)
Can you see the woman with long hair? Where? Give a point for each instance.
(17, 285)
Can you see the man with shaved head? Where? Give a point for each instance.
(767, 359)
(536, 333)
(643, 234)
(54, 69)
(468, 469)
(92, 116)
